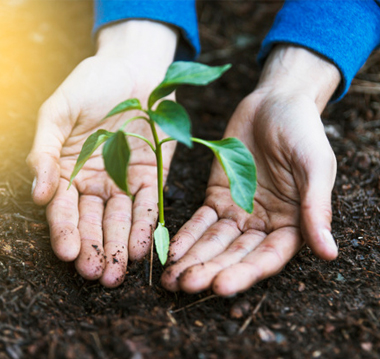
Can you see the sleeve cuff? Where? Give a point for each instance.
(344, 32)
(179, 13)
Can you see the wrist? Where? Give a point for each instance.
(295, 70)
(146, 44)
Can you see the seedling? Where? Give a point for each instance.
(173, 119)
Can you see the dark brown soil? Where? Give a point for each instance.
(313, 309)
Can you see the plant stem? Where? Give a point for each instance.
(151, 257)
(167, 140)
(160, 180)
(133, 119)
(141, 138)
(199, 140)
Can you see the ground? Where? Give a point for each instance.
(312, 309)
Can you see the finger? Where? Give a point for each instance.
(316, 213)
(266, 260)
(116, 229)
(46, 170)
(53, 127)
(316, 225)
(90, 263)
(62, 215)
(191, 231)
(144, 214)
(213, 242)
(200, 276)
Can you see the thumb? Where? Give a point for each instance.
(53, 128)
(315, 196)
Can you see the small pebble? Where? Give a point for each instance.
(329, 328)
(240, 309)
(280, 338)
(301, 286)
(230, 327)
(366, 346)
(266, 335)
(355, 243)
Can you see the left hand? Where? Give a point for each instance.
(94, 222)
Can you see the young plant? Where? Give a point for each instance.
(173, 119)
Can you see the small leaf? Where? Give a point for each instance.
(173, 120)
(128, 105)
(88, 148)
(162, 240)
(239, 166)
(185, 73)
(116, 154)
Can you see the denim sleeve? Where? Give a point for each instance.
(343, 31)
(179, 13)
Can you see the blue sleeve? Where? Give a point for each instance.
(179, 13)
(344, 32)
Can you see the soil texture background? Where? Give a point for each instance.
(312, 309)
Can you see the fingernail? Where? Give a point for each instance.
(329, 240)
(34, 184)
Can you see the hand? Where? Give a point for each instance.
(224, 248)
(95, 223)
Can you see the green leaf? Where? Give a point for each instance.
(239, 166)
(173, 120)
(162, 240)
(116, 154)
(88, 148)
(185, 73)
(128, 105)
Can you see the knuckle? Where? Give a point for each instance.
(90, 218)
(143, 222)
(213, 236)
(62, 229)
(238, 248)
(198, 220)
(221, 232)
(145, 204)
(227, 224)
(324, 209)
(62, 202)
(185, 233)
(118, 217)
(272, 251)
(116, 243)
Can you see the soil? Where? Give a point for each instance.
(312, 309)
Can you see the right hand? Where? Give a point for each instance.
(94, 222)
(228, 250)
